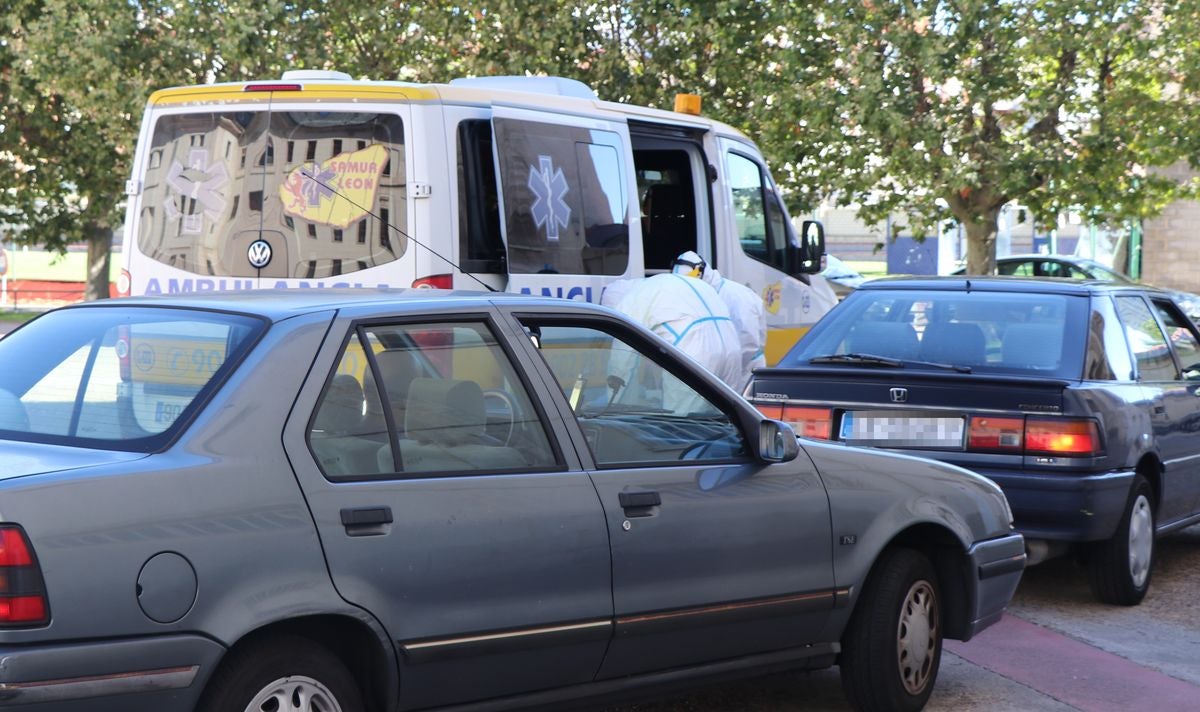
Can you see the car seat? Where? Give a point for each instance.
(954, 343)
(445, 429)
(397, 369)
(1032, 346)
(337, 433)
(892, 339)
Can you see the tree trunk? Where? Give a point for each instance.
(99, 256)
(981, 243)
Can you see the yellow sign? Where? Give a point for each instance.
(773, 297)
(182, 360)
(338, 191)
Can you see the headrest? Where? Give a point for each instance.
(444, 410)
(397, 368)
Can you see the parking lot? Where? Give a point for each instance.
(1057, 650)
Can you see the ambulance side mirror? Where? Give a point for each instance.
(806, 257)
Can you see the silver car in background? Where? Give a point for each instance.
(399, 500)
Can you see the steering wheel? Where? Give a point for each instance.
(507, 405)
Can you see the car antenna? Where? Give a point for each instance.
(305, 173)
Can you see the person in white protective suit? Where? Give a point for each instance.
(684, 311)
(749, 318)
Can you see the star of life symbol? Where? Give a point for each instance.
(549, 187)
(199, 182)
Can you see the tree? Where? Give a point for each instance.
(74, 78)
(948, 110)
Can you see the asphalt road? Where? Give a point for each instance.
(1056, 649)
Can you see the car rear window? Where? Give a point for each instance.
(989, 332)
(115, 378)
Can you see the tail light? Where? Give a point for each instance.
(771, 410)
(812, 423)
(22, 591)
(1035, 436)
(124, 283)
(435, 281)
(998, 434)
(1055, 436)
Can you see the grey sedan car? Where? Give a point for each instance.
(371, 500)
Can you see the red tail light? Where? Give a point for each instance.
(435, 281)
(774, 411)
(814, 423)
(1058, 436)
(22, 591)
(124, 283)
(1002, 434)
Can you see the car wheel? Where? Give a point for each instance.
(892, 647)
(290, 673)
(1119, 569)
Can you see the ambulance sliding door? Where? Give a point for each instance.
(565, 192)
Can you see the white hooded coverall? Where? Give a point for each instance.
(689, 314)
(749, 318)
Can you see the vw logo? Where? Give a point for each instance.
(899, 395)
(259, 254)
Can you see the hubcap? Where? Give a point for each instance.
(294, 694)
(1141, 540)
(916, 643)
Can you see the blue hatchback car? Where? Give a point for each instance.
(1080, 399)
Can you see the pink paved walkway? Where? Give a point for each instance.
(1072, 672)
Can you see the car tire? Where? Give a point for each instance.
(892, 648)
(285, 673)
(1119, 569)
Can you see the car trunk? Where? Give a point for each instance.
(910, 410)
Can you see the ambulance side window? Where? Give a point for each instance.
(566, 207)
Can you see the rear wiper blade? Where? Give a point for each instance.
(873, 360)
(859, 359)
(945, 366)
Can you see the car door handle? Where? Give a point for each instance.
(1159, 410)
(366, 521)
(639, 501)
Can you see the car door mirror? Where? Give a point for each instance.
(777, 442)
(806, 257)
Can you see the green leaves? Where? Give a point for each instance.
(925, 110)
(935, 107)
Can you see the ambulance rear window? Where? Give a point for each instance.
(566, 207)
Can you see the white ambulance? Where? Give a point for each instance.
(526, 184)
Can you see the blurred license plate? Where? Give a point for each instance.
(892, 429)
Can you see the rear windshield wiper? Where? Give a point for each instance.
(859, 359)
(872, 360)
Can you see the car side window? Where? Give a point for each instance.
(1180, 334)
(1023, 269)
(1108, 356)
(761, 222)
(631, 409)
(1146, 340)
(426, 398)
